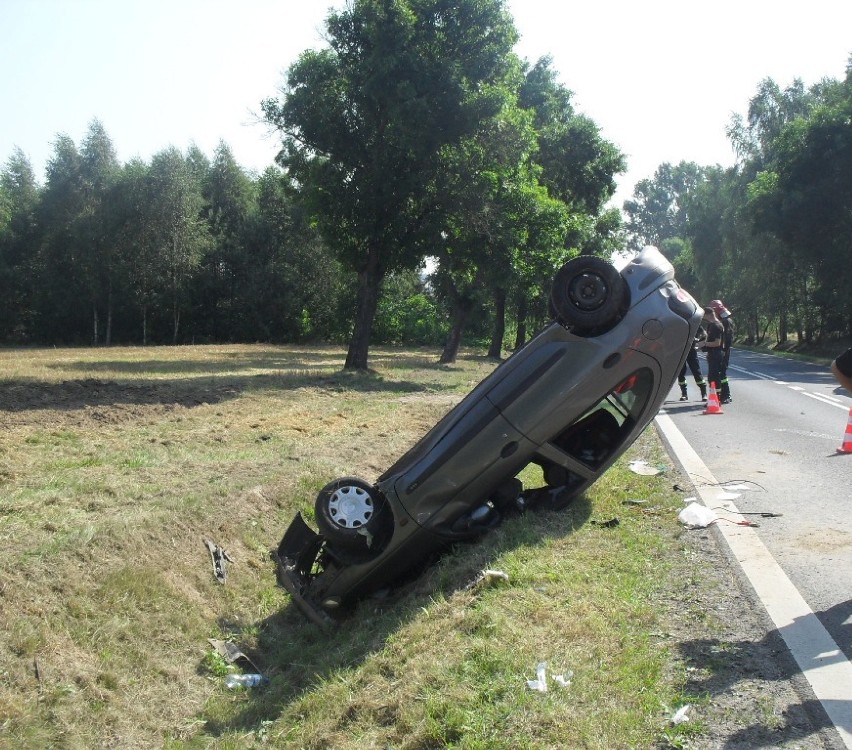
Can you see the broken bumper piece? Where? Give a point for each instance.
(296, 557)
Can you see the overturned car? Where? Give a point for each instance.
(572, 400)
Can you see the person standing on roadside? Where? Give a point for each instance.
(724, 315)
(712, 345)
(694, 367)
(841, 368)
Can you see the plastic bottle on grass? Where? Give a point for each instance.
(244, 680)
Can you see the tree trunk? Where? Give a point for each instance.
(108, 333)
(521, 333)
(175, 283)
(495, 351)
(461, 309)
(176, 323)
(144, 325)
(94, 324)
(369, 283)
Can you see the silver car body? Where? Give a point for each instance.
(570, 403)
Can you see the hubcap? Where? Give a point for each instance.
(588, 291)
(350, 507)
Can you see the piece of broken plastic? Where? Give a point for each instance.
(738, 487)
(563, 679)
(680, 716)
(696, 516)
(488, 578)
(231, 653)
(218, 557)
(642, 467)
(540, 683)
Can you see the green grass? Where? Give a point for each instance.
(117, 464)
(822, 353)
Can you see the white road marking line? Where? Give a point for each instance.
(806, 433)
(830, 400)
(818, 656)
(823, 399)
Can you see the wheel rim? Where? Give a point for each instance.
(350, 507)
(587, 291)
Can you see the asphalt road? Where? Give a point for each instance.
(779, 438)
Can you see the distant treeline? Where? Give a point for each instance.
(419, 140)
(180, 249)
(185, 249)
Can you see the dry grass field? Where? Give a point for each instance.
(116, 466)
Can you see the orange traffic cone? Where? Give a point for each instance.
(847, 438)
(713, 405)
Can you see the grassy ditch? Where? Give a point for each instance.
(116, 465)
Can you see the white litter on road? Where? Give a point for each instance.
(696, 516)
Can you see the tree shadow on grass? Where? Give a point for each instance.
(32, 395)
(298, 656)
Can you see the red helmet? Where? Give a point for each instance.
(719, 307)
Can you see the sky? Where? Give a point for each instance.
(661, 78)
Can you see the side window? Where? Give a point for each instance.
(593, 437)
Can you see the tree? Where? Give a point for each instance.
(486, 190)
(228, 200)
(295, 289)
(578, 165)
(131, 234)
(98, 169)
(178, 236)
(795, 172)
(810, 199)
(60, 284)
(658, 209)
(769, 110)
(364, 121)
(19, 201)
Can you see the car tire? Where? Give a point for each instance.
(555, 475)
(349, 513)
(589, 295)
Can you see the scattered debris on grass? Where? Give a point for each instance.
(231, 653)
(640, 466)
(540, 683)
(218, 557)
(680, 716)
(488, 578)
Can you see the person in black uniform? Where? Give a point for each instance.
(694, 368)
(724, 315)
(712, 345)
